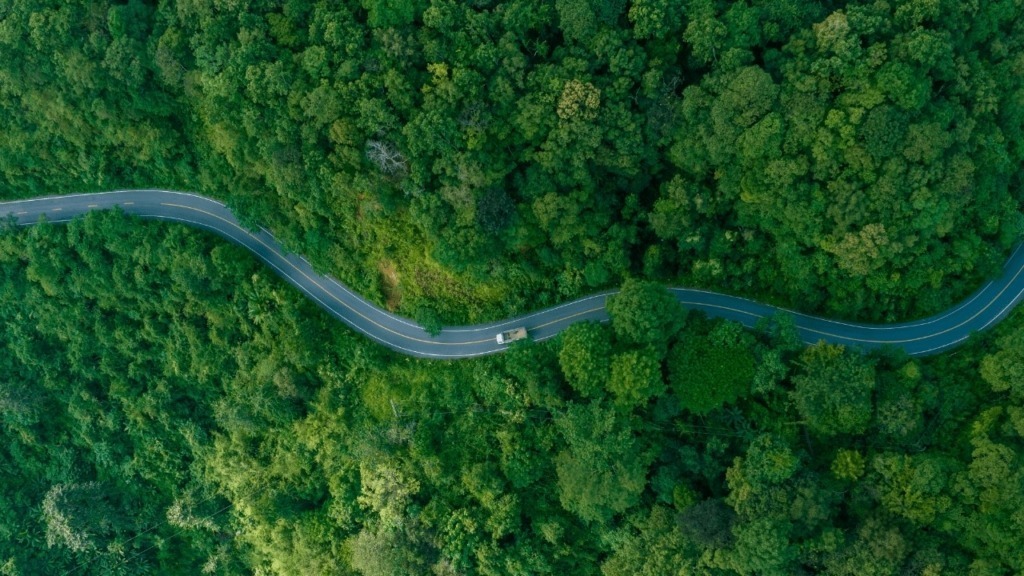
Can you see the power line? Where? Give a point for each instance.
(140, 534)
(179, 532)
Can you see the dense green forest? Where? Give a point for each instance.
(481, 157)
(170, 407)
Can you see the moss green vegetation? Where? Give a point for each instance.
(170, 407)
(459, 159)
(708, 372)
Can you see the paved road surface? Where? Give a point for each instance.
(988, 305)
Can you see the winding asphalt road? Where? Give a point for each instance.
(988, 305)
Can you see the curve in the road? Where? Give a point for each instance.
(932, 335)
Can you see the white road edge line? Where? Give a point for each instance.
(306, 269)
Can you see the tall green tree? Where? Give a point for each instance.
(602, 470)
(585, 357)
(645, 314)
(834, 392)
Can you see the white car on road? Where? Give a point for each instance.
(511, 335)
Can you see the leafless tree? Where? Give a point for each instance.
(386, 157)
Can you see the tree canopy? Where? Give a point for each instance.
(462, 159)
(172, 407)
(169, 406)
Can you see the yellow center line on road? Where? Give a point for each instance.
(567, 317)
(933, 335)
(823, 331)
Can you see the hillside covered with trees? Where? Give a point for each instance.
(171, 407)
(466, 159)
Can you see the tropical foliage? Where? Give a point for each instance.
(456, 159)
(170, 407)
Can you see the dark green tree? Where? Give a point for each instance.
(645, 314)
(707, 373)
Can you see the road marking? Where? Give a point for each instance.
(567, 318)
(334, 312)
(707, 305)
(989, 294)
(1013, 302)
(522, 319)
(495, 326)
(868, 340)
(897, 326)
(114, 192)
(720, 307)
(934, 334)
(318, 285)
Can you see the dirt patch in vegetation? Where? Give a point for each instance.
(389, 284)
